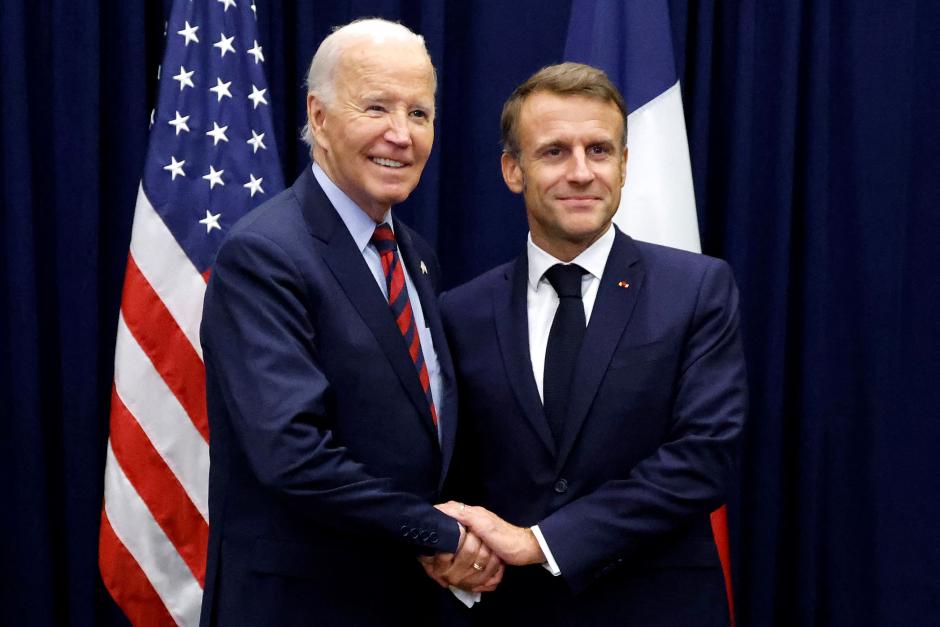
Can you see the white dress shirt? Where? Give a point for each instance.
(361, 227)
(541, 303)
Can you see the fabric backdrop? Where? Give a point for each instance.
(815, 151)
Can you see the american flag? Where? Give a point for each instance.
(211, 159)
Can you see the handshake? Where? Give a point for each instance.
(487, 545)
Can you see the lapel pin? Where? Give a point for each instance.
(624, 284)
(424, 268)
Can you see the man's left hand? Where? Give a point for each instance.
(473, 568)
(516, 546)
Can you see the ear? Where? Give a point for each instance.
(512, 173)
(316, 119)
(623, 167)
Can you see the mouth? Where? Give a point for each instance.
(578, 200)
(386, 163)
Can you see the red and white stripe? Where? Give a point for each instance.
(155, 521)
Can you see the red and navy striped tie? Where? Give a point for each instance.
(384, 241)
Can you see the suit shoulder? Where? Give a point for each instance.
(279, 214)
(470, 294)
(676, 274)
(278, 221)
(665, 258)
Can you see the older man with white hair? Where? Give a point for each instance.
(330, 387)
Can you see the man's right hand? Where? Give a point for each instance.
(474, 567)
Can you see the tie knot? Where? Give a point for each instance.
(383, 238)
(566, 279)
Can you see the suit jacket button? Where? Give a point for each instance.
(405, 530)
(433, 539)
(561, 486)
(415, 533)
(424, 535)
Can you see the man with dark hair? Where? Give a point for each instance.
(602, 386)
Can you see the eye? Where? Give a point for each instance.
(375, 107)
(599, 150)
(553, 151)
(420, 114)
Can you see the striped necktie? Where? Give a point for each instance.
(384, 241)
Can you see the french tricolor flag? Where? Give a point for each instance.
(632, 42)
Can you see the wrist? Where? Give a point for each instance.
(534, 553)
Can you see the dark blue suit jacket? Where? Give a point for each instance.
(623, 500)
(324, 459)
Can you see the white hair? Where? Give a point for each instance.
(321, 77)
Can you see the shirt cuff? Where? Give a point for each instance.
(465, 596)
(550, 565)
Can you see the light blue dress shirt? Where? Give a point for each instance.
(361, 227)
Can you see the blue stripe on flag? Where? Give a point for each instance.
(631, 41)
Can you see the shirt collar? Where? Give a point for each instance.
(593, 258)
(357, 221)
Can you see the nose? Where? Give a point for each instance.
(580, 171)
(398, 132)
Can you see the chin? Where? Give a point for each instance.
(393, 197)
(582, 231)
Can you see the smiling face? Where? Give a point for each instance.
(373, 139)
(570, 168)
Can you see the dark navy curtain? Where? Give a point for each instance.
(816, 154)
(815, 145)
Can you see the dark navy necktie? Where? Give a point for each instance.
(384, 241)
(564, 341)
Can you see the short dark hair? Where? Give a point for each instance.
(563, 79)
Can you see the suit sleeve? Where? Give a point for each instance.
(258, 341)
(687, 475)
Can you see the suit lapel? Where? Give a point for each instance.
(609, 317)
(346, 263)
(432, 317)
(510, 313)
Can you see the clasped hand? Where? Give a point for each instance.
(486, 545)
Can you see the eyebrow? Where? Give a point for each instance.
(383, 97)
(565, 142)
(375, 95)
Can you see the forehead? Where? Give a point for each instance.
(396, 68)
(552, 117)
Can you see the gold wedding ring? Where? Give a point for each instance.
(477, 566)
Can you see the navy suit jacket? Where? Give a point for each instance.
(324, 458)
(657, 404)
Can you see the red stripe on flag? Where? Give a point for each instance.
(157, 333)
(719, 519)
(126, 581)
(158, 487)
